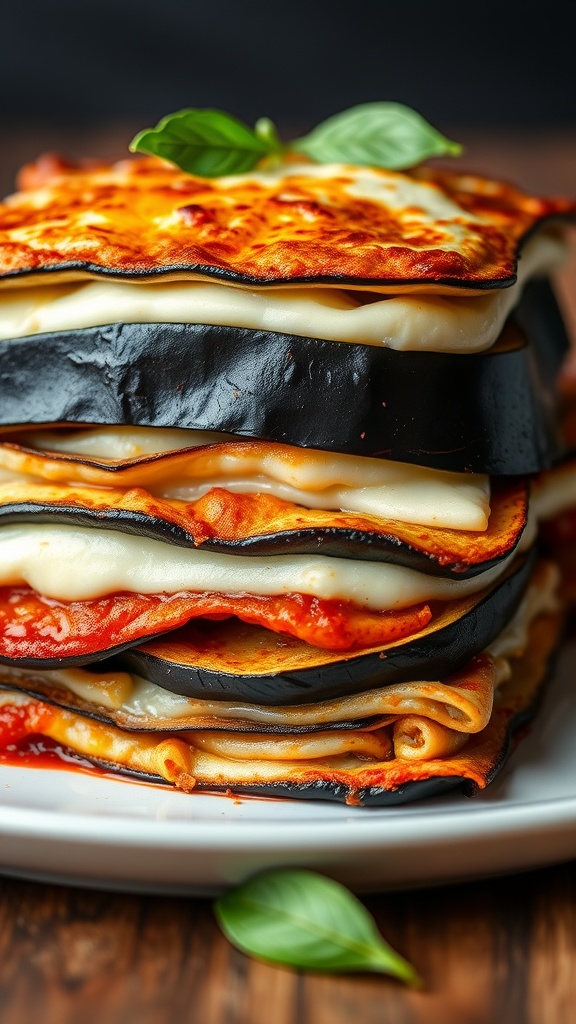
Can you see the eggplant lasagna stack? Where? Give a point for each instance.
(265, 468)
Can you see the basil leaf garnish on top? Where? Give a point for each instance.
(209, 143)
(304, 920)
(386, 135)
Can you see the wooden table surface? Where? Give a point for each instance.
(501, 950)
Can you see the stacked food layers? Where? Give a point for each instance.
(266, 451)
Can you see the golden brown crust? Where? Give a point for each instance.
(143, 217)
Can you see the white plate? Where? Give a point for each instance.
(108, 833)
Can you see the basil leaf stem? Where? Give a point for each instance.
(304, 920)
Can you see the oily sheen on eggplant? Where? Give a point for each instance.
(492, 412)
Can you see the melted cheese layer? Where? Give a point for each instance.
(75, 564)
(426, 230)
(432, 323)
(315, 479)
(144, 698)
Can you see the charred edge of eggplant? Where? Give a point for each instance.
(209, 272)
(437, 655)
(290, 389)
(234, 277)
(420, 789)
(336, 542)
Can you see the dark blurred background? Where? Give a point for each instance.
(77, 73)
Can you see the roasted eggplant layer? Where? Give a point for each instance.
(348, 398)
(35, 626)
(261, 524)
(404, 321)
(186, 464)
(230, 660)
(300, 223)
(460, 703)
(352, 767)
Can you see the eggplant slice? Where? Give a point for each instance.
(260, 524)
(459, 704)
(142, 219)
(375, 783)
(471, 769)
(233, 661)
(229, 659)
(492, 411)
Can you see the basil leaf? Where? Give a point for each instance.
(209, 143)
(386, 135)
(304, 920)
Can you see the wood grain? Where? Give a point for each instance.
(497, 951)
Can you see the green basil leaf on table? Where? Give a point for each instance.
(304, 920)
(388, 135)
(209, 143)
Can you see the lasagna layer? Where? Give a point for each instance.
(466, 534)
(288, 389)
(230, 661)
(433, 323)
(197, 462)
(354, 767)
(69, 563)
(301, 223)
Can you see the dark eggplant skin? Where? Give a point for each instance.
(433, 656)
(422, 789)
(490, 412)
(368, 797)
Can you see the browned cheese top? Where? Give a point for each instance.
(301, 223)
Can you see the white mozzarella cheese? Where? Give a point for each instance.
(141, 698)
(427, 322)
(76, 564)
(315, 479)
